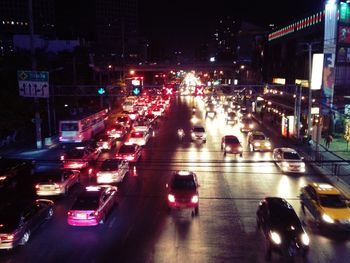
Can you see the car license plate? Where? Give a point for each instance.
(81, 216)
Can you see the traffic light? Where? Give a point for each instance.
(136, 84)
(101, 91)
(199, 91)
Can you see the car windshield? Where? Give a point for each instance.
(110, 165)
(332, 201)
(198, 129)
(127, 149)
(86, 201)
(291, 156)
(183, 184)
(258, 137)
(232, 140)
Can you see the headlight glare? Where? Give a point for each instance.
(327, 219)
(305, 239)
(275, 237)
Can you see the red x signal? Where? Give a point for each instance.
(169, 91)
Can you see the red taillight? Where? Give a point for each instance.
(7, 237)
(96, 213)
(62, 157)
(37, 186)
(69, 213)
(90, 171)
(56, 186)
(108, 132)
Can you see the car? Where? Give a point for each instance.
(182, 191)
(210, 110)
(112, 171)
(56, 182)
(117, 131)
(288, 160)
(282, 228)
(13, 171)
(231, 144)
(327, 205)
(244, 113)
(141, 125)
(124, 120)
(247, 125)
(105, 142)
(231, 118)
(198, 134)
(79, 157)
(92, 206)
(138, 137)
(129, 152)
(20, 219)
(258, 141)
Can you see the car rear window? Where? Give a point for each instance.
(86, 202)
(127, 149)
(183, 184)
(291, 156)
(198, 129)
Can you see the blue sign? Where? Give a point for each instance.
(101, 91)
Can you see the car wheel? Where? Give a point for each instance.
(241, 154)
(103, 220)
(25, 238)
(225, 153)
(303, 208)
(49, 213)
(196, 210)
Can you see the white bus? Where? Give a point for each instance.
(82, 128)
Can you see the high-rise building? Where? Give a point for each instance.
(14, 19)
(111, 25)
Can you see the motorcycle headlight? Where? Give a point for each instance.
(275, 237)
(327, 219)
(305, 239)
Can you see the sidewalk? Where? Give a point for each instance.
(332, 163)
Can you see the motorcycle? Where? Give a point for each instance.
(180, 134)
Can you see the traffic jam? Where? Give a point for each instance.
(84, 141)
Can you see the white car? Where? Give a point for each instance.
(112, 171)
(138, 137)
(198, 134)
(288, 160)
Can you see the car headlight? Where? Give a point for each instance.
(193, 134)
(302, 165)
(327, 219)
(305, 239)
(228, 148)
(268, 144)
(275, 237)
(257, 144)
(240, 149)
(171, 198)
(204, 135)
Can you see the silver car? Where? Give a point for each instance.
(112, 171)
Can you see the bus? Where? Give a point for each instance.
(82, 127)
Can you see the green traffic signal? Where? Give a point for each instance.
(136, 91)
(101, 91)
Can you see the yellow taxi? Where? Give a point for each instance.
(326, 204)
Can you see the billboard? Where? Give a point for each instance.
(317, 68)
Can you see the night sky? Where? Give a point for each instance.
(183, 24)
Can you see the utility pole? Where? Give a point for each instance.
(32, 53)
(309, 121)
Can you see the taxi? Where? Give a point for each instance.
(257, 141)
(327, 205)
(92, 206)
(183, 191)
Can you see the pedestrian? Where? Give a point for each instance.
(329, 139)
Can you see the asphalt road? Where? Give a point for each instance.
(140, 229)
